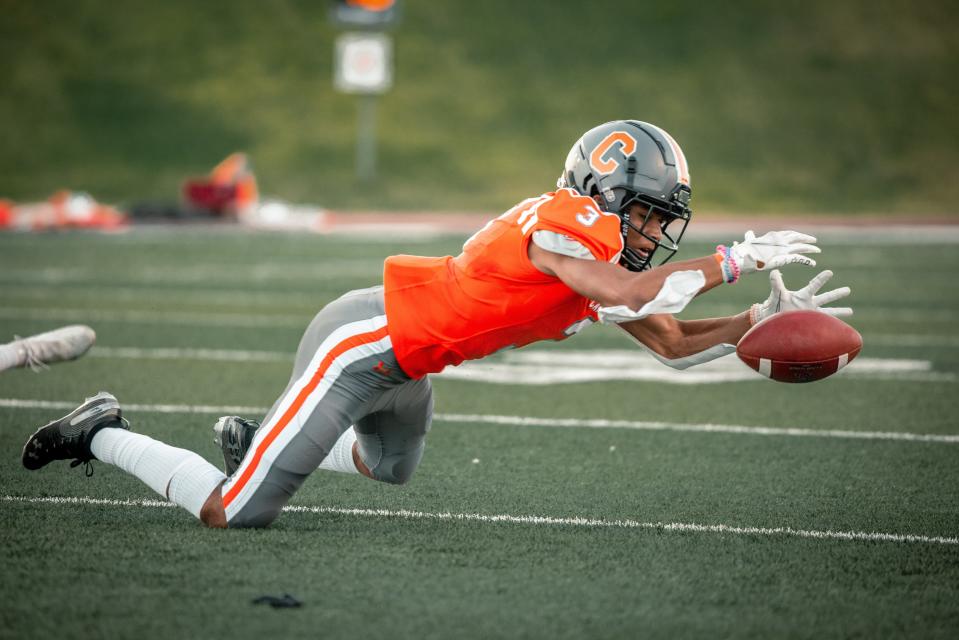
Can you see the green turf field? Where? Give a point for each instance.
(655, 527)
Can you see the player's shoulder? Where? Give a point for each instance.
(568, 200)
(567, 207)
(576, 218)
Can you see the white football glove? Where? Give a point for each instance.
(773, 250)
(782, 299)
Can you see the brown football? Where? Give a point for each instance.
(799, 346)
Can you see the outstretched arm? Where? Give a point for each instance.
(680, 343)
(684, 343)
(675, 339)
(611, 285)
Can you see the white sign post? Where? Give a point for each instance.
(364, 66)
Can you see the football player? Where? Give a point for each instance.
(359, 399)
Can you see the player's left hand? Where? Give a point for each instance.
(773, 250)
(782, 299)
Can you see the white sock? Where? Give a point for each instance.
(177, 474)
(340, 457)
(10, 356)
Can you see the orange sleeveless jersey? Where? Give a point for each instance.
(442, 311)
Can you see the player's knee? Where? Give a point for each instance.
(213, 519)
(398, 469)
(212, 513)
(393, 479)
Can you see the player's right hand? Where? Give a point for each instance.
(773, 250)
(782, 299)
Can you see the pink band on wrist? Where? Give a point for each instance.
(730, 268)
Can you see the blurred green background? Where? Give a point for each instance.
(816, 106)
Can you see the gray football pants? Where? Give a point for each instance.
(345, 374)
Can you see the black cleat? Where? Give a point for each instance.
(70, 436)
(234, 435)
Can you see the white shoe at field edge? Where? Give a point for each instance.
(65, 343)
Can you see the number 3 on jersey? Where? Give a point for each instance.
(528, 218)
(588, 218)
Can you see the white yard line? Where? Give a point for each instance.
(592, 523)
(531, 421)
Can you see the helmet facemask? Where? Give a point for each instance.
(674, 217)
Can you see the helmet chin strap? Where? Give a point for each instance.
(624, 225)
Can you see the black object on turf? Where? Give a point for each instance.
(285, 602)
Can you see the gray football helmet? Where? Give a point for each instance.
(629, 162)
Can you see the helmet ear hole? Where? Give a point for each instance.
(589, 186)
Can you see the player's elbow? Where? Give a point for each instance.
(627, 295)
(674, 355)
(671, 344)
(668, 351)
(636, 293)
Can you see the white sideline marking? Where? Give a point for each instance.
(526, 421)
(677, 527)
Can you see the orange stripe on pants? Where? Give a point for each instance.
(334, 353)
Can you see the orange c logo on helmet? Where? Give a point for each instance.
(604, 166)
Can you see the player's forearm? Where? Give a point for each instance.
(646, 285)
(611, 285)
(673, 339)
(699, 335)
